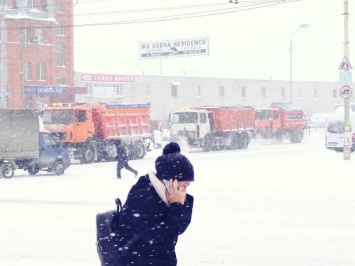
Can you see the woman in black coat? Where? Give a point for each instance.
(156, 212)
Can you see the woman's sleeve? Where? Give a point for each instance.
(156, 226)
(181, 215)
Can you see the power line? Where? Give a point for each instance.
(238, 8)
(100, 1)
(149, 10)
(245, 2)
(215, 12)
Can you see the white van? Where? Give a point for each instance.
(334, 131)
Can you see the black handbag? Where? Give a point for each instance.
(107, 241)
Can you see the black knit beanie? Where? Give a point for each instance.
(171, 147)
(174, 165)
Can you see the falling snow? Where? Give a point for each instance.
(287, 204)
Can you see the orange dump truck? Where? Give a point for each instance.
(90, 131)
(214, 128)
(280, 121)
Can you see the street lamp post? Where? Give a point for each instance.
(302, 26)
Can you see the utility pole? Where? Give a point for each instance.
(347, 126)
(3, 38)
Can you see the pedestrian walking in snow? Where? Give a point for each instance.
(122, 160)
(157, 210)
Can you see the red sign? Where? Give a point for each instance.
(345, 92)
(345, 64)
(107, 78)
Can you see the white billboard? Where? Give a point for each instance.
(104, 90)
(173, 48)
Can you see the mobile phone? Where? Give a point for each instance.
(166, 183)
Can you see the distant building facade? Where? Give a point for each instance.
(38, 41)
(168, 93)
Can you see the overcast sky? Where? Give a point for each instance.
(247, 40)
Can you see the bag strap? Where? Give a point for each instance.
(134, 238)
(125, 248)
(119, 205)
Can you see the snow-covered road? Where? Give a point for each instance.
(270, 205)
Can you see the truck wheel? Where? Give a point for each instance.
(235, 143)
(296, 137)
(7, 170)
(278, 138)
(138, 150)
(88, 153)
(58, 168)
(207, 144)
(101, 156)
(33, 170)
(244, 141)
(128, 149)
(293, 138)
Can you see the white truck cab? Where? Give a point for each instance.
(193, 124)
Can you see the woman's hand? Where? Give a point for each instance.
(175, 194)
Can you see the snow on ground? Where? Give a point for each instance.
(270, 205)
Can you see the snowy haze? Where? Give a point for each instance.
(247, 40)
(270, 205)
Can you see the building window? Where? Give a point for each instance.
(244, 93)
(315, 93)
(173, 90)
(25, 34)
(335, 93)
(60, 28)
(198, 91)
(263, 92)
(221, 92)
(147, 91)
(39, 35)
(282, 93)
(60, 81)
(27, 71)
(60, 7)
(40, 71)
(60, 54)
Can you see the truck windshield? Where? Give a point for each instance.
(262, 114)
(335, 126)
(185, 118)
(58, 117)
(295, 116)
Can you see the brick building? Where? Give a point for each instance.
(37, 38)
